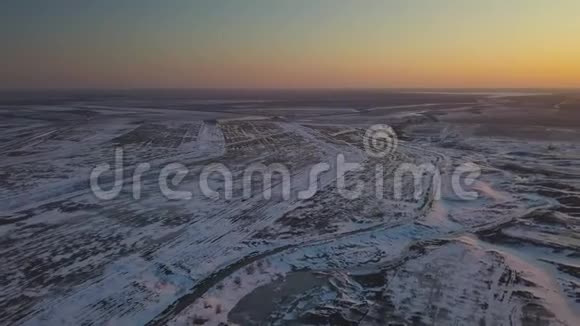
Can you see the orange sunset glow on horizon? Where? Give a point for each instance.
(291, 44)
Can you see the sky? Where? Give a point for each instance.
(289, 44)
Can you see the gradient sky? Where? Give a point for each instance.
(289, 43)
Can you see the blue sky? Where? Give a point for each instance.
(292, 43)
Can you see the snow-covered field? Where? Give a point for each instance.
(509, 257)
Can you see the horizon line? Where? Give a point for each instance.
(542, 88)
